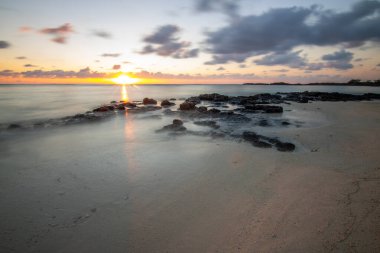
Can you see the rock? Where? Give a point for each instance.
(202, 109)
(285, 146)
(173, 99)
(101, 109)
(177, 122)
(14, 126)
(129, 104)
(194, 100)
(186, 106)
(167, 103)
(213, 97)
(214, 111)
(176, 126)
(209, 123)
(263, 108)
(285, 123)
(120, 107)
(149, 101)
(113, 102)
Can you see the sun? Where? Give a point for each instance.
(124, 79)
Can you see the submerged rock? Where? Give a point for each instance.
(149, 101)
(167, 103)
(209, 123)
(187, 106)
(263, 108)
(176, 126)
(285, 146)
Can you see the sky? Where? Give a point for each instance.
(188, 41)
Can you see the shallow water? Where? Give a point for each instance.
(38, 102)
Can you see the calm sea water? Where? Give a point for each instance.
(31, 102)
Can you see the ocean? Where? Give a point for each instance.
(19, 103)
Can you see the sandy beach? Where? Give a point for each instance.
(124, 188)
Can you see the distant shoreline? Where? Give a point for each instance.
(350, 83)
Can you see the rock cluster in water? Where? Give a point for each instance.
(210, 111)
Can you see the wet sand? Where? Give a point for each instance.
(116, 186)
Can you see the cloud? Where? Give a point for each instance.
(7, 73)
(220, 69)
(164, 42)
(102, 34)
(290, 59)
(21, 57)
(339, 60)
(111, 55)
(228, 7)
(4, 44)
(29, 66)
(83, 73)
(283, 29)
(116, 67)
(60, 33)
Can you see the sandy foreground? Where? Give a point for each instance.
(116, 187)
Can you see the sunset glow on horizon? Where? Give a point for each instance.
(167, 43)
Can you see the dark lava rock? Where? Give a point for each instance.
(167, 103)
(149, 101)
(14, 126)
(285, 123)
(254, 139)
(213, 97)
(101, 109)
(120, 107)
(113, 102)
(177, 125)
(173, 99)
(209, 123)
(186, 106)
(263, 108)
(285, 146)
(214, 111)
(144, 109)
(130, 105)
(194, 100)
(202, 109)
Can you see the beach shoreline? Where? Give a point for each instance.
(195, 193)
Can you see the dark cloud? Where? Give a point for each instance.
(220, 69)
(20, 57)
(228, 7)
(165, 42)
(341, 55)
(8, 73)
(378, 65)
(29, 66)
(242, 66)
(102, 34)
(282, 29)
(281, 70)
(83, 73)
(339, 60)
(225, 58)
(111, 55)
(116, 67)
(4, 44)
(290, 59)
(60, 33)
